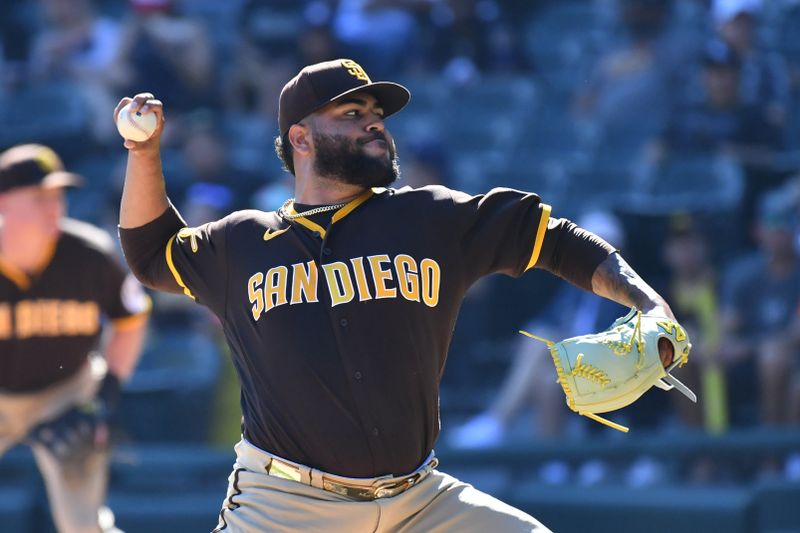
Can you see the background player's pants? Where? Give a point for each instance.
(258, 502)
(76, 491)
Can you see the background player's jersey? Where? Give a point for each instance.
(51, 321)
(339, 334)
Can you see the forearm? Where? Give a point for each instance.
(144, 196)
(123, 348)
(616, 280)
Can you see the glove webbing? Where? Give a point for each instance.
(636, 337)
(562, 380)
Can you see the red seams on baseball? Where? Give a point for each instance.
(136, 126)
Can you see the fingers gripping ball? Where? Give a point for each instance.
(134, 125)
(605, 371)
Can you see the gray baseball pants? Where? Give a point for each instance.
(438, 503)
(76, 492)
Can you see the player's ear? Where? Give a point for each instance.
(300, 138)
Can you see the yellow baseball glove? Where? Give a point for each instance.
(605, 371)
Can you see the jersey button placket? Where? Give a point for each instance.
(343, 322)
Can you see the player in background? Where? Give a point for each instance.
(339, 308)
(61, 289)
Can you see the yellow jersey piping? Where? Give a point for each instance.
(174, 271)
(17, 276)
(132, 322)
(313, 226)
(537, 244)
(346, 210)
(338, 215)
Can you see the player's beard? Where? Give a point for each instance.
(343, 159)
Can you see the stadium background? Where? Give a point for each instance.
(594, 104)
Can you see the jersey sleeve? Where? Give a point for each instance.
(500, 231)
(197, 261)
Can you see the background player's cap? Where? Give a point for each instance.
(34, 164)
(319, 84)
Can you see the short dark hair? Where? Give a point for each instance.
(285, 152)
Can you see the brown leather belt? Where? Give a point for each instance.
(362, 489)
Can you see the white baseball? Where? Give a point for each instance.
(136, 126)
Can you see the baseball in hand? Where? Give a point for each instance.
(136, 126)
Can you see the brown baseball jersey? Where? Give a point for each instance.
(339, 333)
(50, 321)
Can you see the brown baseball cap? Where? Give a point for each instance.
(321, 83)
(34, 164)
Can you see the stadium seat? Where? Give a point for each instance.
(158, 469)
(49, 114)
(17, 510)
(169, 396)
(777, 506)
(628, 510)
(184, 510)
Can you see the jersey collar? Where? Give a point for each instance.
(23, 280)
(337, 216)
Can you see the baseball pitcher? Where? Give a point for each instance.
(339, 308)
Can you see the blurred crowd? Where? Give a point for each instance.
(672, 127)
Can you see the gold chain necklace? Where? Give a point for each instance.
(321, 209)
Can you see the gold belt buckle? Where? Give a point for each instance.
(385, 487)
(356, 493)
(393, 489)
(282, 470)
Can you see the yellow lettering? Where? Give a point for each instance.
(69, 318)
(256, 294)
(381, 276)
(74, 311)
(431, 280)
(415, 281)
(275, 287)
(35, 318)
(51, 318)
(50, 325)
(407, 277)
(5, 321)
(340, 285)
(60, 318)
(90, 317)
(355, 70)
(24, 319)
(304, 282)
(673, 329)
(361, 279)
